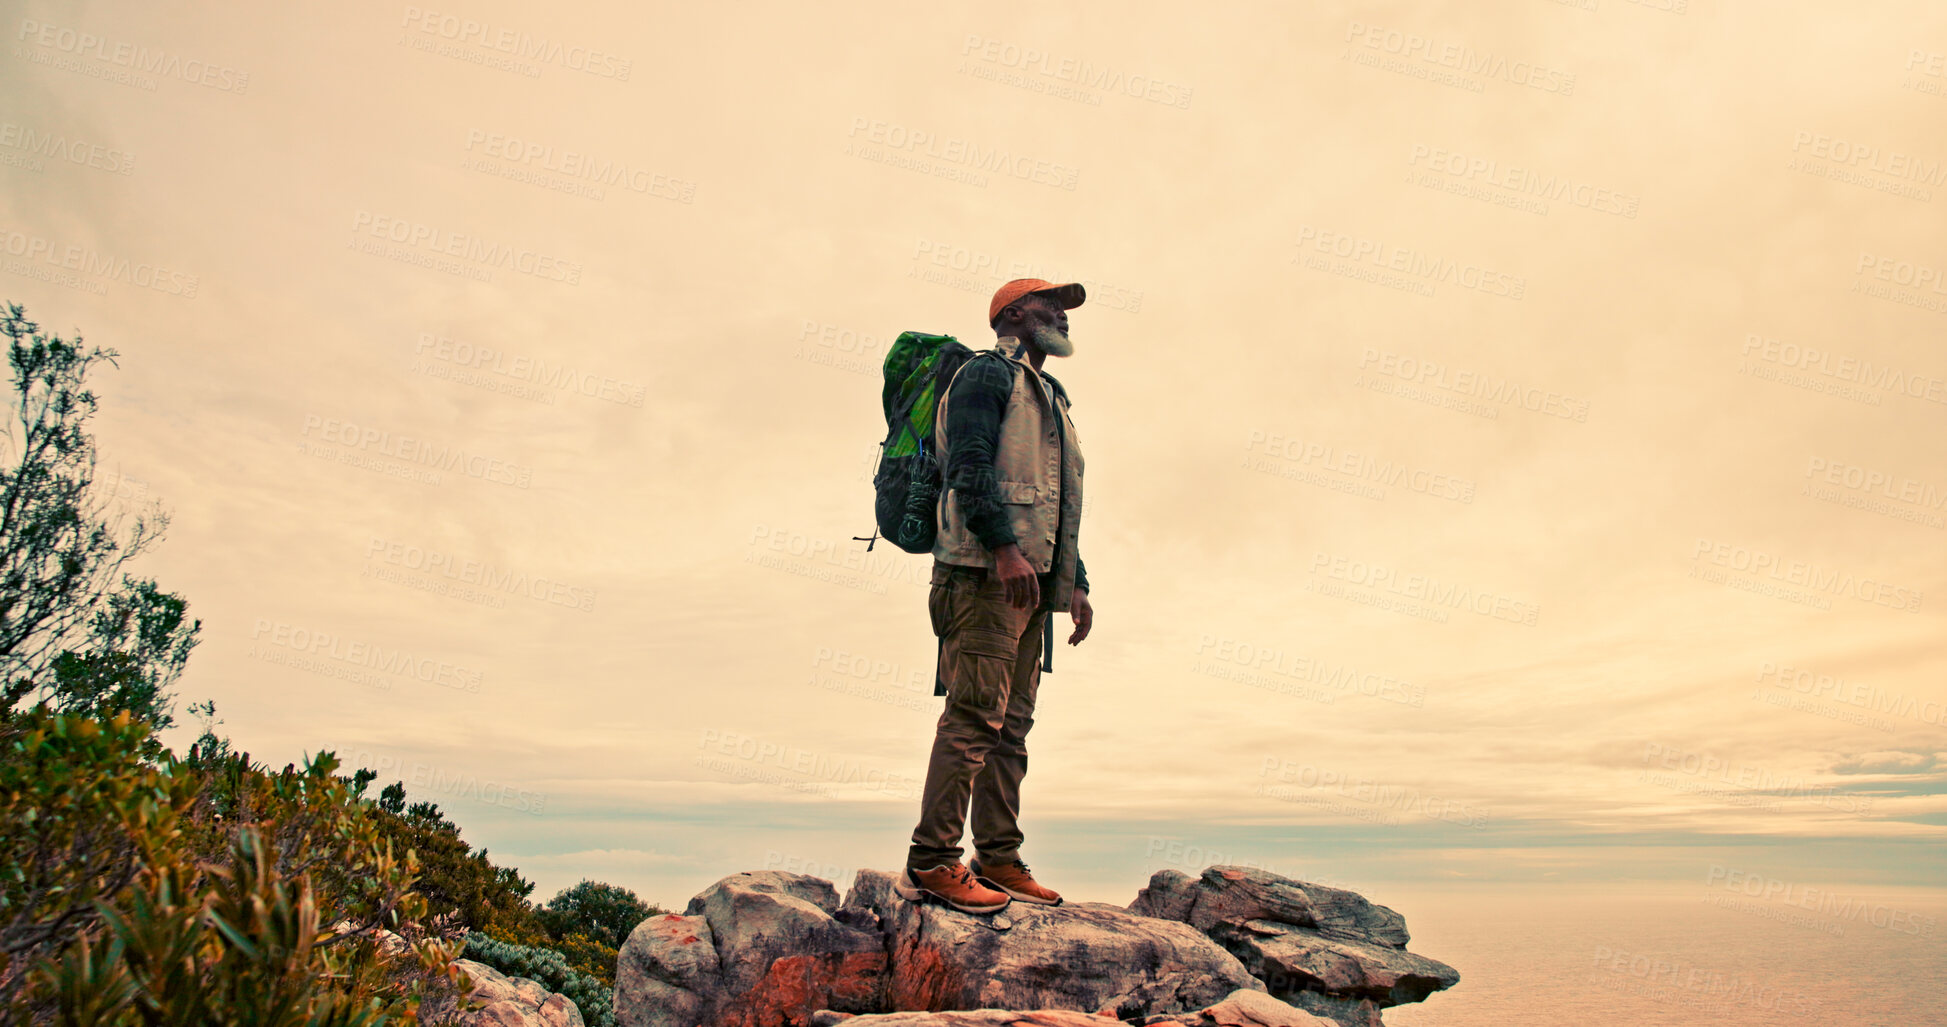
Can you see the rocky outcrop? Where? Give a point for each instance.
(755, 949)
(1321, 949)
(1232, 948)
(502, 1001)
(1242, 1008)
(1088, 956)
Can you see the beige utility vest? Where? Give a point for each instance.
(1039, 472)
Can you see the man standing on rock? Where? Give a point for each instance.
(1005, 559)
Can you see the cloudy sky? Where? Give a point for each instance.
(1515, 438)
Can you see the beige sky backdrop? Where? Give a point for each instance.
(1516, 434)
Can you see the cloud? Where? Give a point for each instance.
(1890, 762)
(1322, 508)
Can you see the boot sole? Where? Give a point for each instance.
(913, 891)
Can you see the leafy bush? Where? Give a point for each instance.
(604, 912)
(594, 998)
(81, 814)
(230, 944)
(129, 899)
(586, 955)
(460, 885)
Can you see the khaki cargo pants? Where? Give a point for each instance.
(990, 662)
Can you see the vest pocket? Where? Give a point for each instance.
(1017, 491)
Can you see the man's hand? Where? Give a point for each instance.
(1017, 578)
(1083, 615)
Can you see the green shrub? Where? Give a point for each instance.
(127, 898)
(586, 955)
(461, 886)
(548, 967)
(231, 944)
(81, 813)
(605, 912)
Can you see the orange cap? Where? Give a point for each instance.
(1069, 295)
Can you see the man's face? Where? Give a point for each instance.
(1047, 325)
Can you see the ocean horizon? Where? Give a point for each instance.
(1680, 956)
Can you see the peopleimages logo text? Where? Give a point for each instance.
(1506, 391)
(576, 165)
(1412, 262)
(139, 58)
(1860, 371)
(474, 572)
(536, 370)
(1854, 693)
(1075, 70)
(953, 150)
(58, 146)
(1525, 181)
(1704, 765)
(1807, 575)
(439, 241)
(418, 451)
(87, 260)
(1820, 900)
(518, 43)
(328, 645)
(1425, 587)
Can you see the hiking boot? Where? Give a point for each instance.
(952, 884)
(1014, 879)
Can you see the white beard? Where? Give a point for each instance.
(1053, 341)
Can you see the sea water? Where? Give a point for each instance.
(1681, 958)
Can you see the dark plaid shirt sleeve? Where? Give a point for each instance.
(974, 407)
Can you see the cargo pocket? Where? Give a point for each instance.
(984, 663)
(953, 588)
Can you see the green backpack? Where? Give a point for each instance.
(907, 481)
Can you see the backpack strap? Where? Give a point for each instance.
(939, 401)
